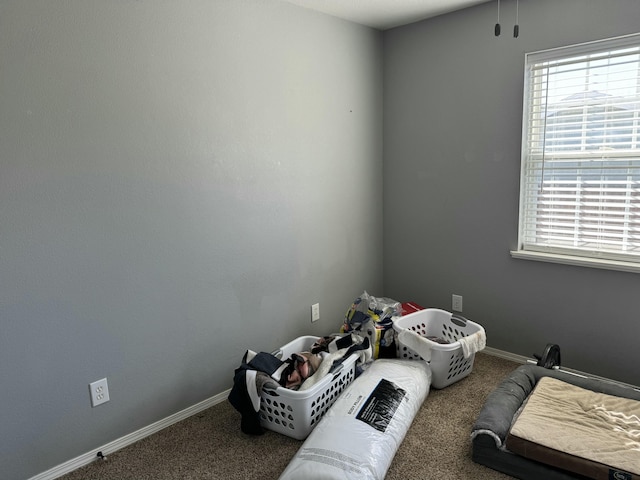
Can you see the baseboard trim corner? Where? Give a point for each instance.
(109, 448)
(506, 355)
(522, 359)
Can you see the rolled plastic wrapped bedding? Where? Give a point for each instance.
(359, 435)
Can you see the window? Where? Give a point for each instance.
(580, 178)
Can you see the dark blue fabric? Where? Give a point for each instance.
(239, 396)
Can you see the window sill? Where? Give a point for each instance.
(577, 261)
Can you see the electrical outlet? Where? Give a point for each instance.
(315, 312)
(456, 303)
(99, 392)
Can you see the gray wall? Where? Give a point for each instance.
(452, 124)
(179, 181)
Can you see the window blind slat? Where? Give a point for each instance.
(595, 56)
(580, 189)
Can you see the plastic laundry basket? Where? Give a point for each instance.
(295, 413)
(448, 364)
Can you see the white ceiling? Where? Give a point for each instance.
(385, 14)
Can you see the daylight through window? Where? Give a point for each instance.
(580, 186)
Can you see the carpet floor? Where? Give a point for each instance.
(210, 445)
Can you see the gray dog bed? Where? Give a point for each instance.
(490, 431)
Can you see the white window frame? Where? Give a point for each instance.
(538, 238)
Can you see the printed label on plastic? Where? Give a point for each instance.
(381, 406)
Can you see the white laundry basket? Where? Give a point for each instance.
(448, 364)
(295, 413)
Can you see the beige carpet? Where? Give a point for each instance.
(210, 445)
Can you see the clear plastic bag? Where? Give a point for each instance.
(373, 317)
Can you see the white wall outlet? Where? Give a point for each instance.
(456, 303)
(99, 392)
(315, 312)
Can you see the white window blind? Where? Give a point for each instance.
(580, 185)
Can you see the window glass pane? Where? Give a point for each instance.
(580, 189)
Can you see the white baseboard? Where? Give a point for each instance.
(506, 355)
(111, 447)
(521, 359)
(129, 439)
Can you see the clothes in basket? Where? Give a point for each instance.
(262, 375)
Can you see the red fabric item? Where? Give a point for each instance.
(410, 307)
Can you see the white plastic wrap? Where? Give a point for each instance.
(360, 434)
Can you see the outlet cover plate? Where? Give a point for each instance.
(315, 312)
(99, 392)
(456, 303)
